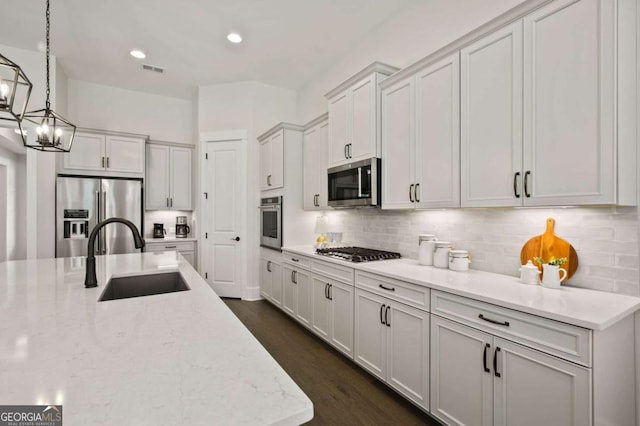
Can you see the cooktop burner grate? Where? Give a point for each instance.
(357, 254)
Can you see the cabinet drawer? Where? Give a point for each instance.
(554, 337)
(338, 272)
(297, 260)
(401, 291)
(170, 246)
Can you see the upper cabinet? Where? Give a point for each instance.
(421, 138)
(315, 147)
(169, 177)
(105, 154)
(272, 154)
(353, 116)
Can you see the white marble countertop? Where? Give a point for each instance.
(591, 309)
(170, 359)
(168, 239)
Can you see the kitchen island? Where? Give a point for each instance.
(167, 359)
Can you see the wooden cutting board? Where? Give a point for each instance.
(547, 245)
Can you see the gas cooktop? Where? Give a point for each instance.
(357, 254)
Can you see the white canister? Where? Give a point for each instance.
(459, 260)
(441, 254)
(426, 246)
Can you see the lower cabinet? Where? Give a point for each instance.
(271, 280)
(392, 343)
(480, 379)
(332, 312)
(296, 294)
(186, 248)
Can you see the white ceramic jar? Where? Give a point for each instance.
(426, 246)
(459, 260)
(441, 254)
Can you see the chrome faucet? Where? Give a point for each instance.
(90, 279)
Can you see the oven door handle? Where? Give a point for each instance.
(270, 206)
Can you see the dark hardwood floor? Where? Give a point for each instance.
(342, 393)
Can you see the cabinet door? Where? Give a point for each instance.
(570, 103)
(370, 333)
(157, 178)
(303, 296)
(311, 145)
(408, 352)
(491, 119)
(322, 163)
(398, 145)
(277, 160)
(338, 128)
(341, 323)
(437, 152)
(265, 278)
(180, 184)
(363, 135)
(320, 307)
(265, 164)
(461, 386)
(125, 154)
(276, 283)
(538, 389)
(87, 153)
(289, 291)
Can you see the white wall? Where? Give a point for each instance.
(13, 205)
(101, 107)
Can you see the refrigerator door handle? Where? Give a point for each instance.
(97, 215)
(103, 216)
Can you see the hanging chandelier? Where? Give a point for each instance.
(15, 90)
(53, 132)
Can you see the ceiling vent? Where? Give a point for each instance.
(152, 68)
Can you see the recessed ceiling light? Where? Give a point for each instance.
(234, 37)
(138, 54)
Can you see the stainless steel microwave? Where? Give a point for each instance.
(355, 184)
(271, 223)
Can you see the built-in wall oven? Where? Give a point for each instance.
(355, 184)
(271, 223)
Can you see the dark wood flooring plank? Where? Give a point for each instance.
(342, 392)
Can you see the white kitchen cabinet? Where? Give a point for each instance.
(315, 147)
(271, 161)
(354, 109)
(296, 294)
(271, 280)
(169, 177)
(392, 342)
(332, 312)
(289, 291)
(421, 139)
(538, 106)
(479, 379)
(105, 154)
(186, 248)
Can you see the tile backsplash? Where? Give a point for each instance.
(168, 218)
(605, 238)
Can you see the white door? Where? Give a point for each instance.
(408, 352)
(125, 154)
(491, 119)
(181, 173)
(157, 177)
(341, 317)
(363, 120)
(311, 145)
(320, 305)
(225, 224)
(537, 389)
(338, 129)
(570, 103)
(462, 374)
(370, 333)
(87, 153)
(437, 139)
(266, 278)
(277, 160)
(303, 296)
(398, 145)
(289, 290)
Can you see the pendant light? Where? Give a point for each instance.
(53, 132)
(15, 89)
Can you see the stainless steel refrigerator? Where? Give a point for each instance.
(81, 203)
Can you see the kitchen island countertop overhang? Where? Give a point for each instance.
(175, 358)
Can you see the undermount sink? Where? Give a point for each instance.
(143, 285)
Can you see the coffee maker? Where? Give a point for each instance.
(158, 230)
(182, 229)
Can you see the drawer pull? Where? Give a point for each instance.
(492, 321)
(495, 362)
(387, 288)
(295, 260)
(484, 358)
(170, 247)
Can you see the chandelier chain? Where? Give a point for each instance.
(48, 104)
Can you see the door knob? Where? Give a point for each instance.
(235, 239)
